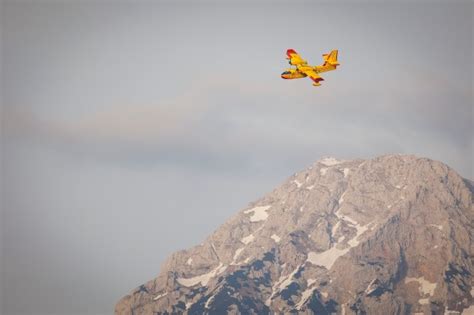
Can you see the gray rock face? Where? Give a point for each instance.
(390, 235)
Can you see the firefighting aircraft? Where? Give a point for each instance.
(304, 70)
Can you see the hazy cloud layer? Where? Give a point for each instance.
(260, 120)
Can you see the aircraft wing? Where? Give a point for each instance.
(294, 57)
(313, 76)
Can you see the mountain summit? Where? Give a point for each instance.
(389, 235)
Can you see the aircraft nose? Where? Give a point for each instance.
(284, 75)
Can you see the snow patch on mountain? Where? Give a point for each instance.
(202, 279)
(209, 301)
(276, 238)
(371, 287)
(248, 239)
(327, 258)
(258, 213)
(236, 254)
(425, 286)
(159, 296)
(346, 172)
(424, 301)
(330, 161)
(304, 297)
(298, 184)
(439, 227)
(341, 199)
(310, 282)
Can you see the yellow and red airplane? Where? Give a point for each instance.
(304, 70)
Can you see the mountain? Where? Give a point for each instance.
(389, 235)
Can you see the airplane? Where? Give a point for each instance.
(304, 70)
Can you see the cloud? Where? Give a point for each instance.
(217, 123)
(186, 127)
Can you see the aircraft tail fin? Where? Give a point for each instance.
(331, 58)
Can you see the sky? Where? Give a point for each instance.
(130, 130)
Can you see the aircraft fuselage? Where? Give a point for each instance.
(292, 74)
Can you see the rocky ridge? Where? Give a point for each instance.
(389, 235)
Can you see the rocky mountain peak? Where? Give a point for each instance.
(392, 235)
